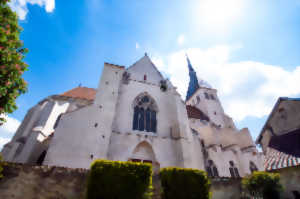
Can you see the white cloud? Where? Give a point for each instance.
(3, 141)
(180, 39)
(137, 45)
(10, 126)
(20, 6)
(246, 88)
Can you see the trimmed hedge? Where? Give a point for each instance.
(180, 183)
(263, 184)
(119, 180)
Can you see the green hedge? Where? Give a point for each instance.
(263, 184)
(179, 183)
(119, 180)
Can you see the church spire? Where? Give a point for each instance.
(193, 85)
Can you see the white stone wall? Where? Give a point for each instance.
(211, 107)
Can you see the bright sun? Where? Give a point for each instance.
(220, 13)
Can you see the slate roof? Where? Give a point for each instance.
(194, 112)
(81, 93)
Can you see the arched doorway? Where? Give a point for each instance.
(143, 152)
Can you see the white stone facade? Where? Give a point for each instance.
(103, 128)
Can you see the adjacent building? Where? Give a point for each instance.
(280, 136)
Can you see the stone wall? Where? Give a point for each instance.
(41, 182)
(227, 188)
(290, 180)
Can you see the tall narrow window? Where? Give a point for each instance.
(153, 121)
(145, 77)
(136, 118)
(141, 119)
(144, 117)
(211, 169)
(234, 172)
(206, 95)
(253, 167)
(198, 99)
(148, 120)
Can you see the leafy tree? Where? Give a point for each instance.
(12, 65)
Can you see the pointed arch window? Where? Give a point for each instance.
(211, 169)
(253, 167)
(144, 117)
(234, 172)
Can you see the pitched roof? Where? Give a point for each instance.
(194, 112)
(81, 93)
(275, 108)
(276, 160)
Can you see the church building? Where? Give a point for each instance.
(137, 115)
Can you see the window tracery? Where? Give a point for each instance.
(144, 117)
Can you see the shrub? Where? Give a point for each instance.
(263, 184)
(180, 183)
(119, 180)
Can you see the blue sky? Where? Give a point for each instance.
(247, 49)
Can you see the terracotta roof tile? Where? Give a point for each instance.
(81, 93)
(193, 112)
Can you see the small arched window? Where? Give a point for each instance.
(144, 117)
(234, 172)
(253, 167)
(198, 99)
(211, 169)
(206, 95)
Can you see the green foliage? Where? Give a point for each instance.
(179, 183)
(263, 184)
(12, 65)
(119, 180)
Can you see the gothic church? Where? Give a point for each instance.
(135, 114)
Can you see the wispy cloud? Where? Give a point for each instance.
(20, 6)
(180, 39)
(246, 88)
(137, 45)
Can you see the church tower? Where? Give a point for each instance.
(205, 98)
(193, 85)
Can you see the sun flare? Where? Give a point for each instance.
(220, 13)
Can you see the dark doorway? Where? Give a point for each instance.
(41, 158)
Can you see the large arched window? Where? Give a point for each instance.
(234, 172)
(211, 169)
(144, 117)
(253, 167)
